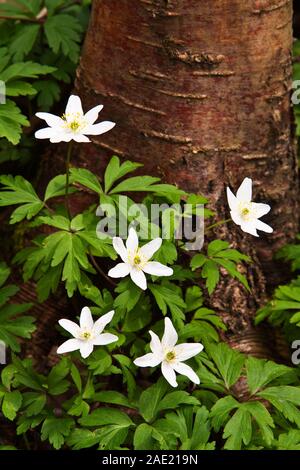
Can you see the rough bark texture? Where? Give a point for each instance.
(200, 92)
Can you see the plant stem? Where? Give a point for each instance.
(26, 441)
(69, 153)
(101, 272)
(221, 222)
(15, 18)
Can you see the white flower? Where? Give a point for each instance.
(136, 261)
(246, 213)
(88, 334)
(170, 355)
(73, 125)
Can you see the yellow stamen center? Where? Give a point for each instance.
(137, 260)
(245, 211)
(86, 335)
(75, 122)
(170, 356)
(74, 125)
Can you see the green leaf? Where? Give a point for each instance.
(150, 400)
(238, 430)
(112, 397)
(17, 190)
(210, 272)
(83, 438)
(215, 246)
(48, 91)
(34, 403)
(75, 374)
(231, 269)
(115, 171)
(11, 122)
(289, 440)
(220, 412)
(106, 416)
(87, 179)
(167, 296)
(19, 88)
(174, 399)
(228, 361)
(56, 187)
(129, 295)
(263, 419)
(99, 361)
(25, 70)
(142, 439)
(55, 381)
(193, 298)
(198, 261)
(11, 404)
(23, 41)
(136, 183)
(260, 372)
(63, 35)
(56, 430)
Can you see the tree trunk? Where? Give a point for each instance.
(200, 92)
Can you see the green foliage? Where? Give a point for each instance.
(219, 255)
(284, 308)
(36, 33)
(12, 324)
(104, 401)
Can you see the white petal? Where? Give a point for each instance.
(46, 133)
(86, 319)
(92, 115)
(101, 323)
(80, 138)
(250, 227)
(157, 269)
(169, 373)
(86, 348)
(105, 338)
(186, 370)
(236, 217)
(244, 193)
(150, 248)
(61, 137)
(261, 209)
(185, 351)
(68, 346)
(132, 242)
(155, 344)
(139, 278)
(74, 105)
(148, 360)
(264, 227)
(120, 270)
(101, 128)
(119, 247)
(70, 326)
(51, 119)
(232, 200)
(170, 336)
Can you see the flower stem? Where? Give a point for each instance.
(69, 153)
(101, 272)
(221, 222)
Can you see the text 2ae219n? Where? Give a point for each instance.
(150, 459)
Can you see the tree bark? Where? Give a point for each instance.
(200, 92)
